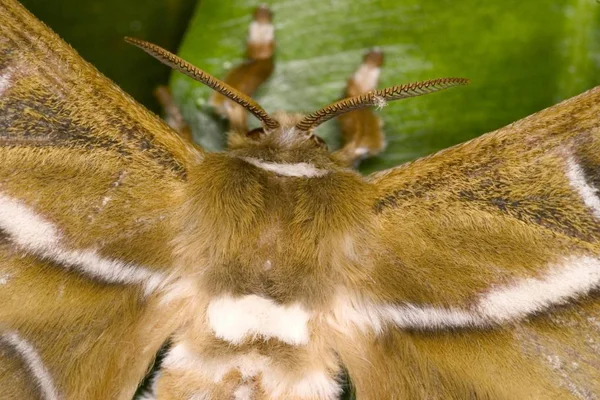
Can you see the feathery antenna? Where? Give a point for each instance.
(195, 73)
(376, 98)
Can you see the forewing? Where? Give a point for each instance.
(89, 184)
(484, 213)
(485, 266)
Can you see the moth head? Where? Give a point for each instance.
(292, 130)
(285, 136)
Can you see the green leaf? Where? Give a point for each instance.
(96, 30)
(521, 56)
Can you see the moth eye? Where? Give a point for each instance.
(255, 133)
(319, 141)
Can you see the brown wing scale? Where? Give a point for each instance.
(488, 259)
(100, 179)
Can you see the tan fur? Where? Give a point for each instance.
(473, 217)
(69, 138)
(440, 232)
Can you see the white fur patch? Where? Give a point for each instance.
(248, 365)
(573, 278)
(367, 316)
(349, 311)
(379, 102)
(361, 151)
(179, 357)
(301, 170)
(366, 77)
(34, 363)
(34, 234)
(317, 385)
(415, 317)
(105, 200)
(261, 32)
(278, 384)
(5, 81)
(243, 392)
(588, 193)
(237, 319)
(576, 277)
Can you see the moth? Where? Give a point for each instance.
(273, 267)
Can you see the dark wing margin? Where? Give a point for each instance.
(486, 267)
(90, 183)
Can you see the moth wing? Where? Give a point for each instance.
(484, 267)
(90, 182)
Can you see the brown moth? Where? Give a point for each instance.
(273, 266)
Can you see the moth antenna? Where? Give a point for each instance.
(376, 98)
(195, 73)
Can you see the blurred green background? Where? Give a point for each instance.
(520, 56)
(96, 29)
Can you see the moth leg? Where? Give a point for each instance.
(249, 75)
(173, 115)
(361, 129)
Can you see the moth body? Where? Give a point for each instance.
(269, 266)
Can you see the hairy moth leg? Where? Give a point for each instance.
(361, 129)
(249, 75)
(172, 112)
